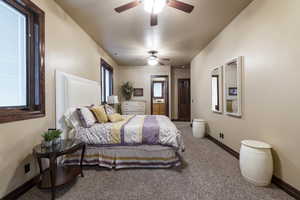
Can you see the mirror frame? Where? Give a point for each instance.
(221, 82)
(239, 61)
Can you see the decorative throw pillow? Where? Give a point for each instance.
(86, 117)
(109, 110)
(100, 114)
(72, 118)
(116, 117)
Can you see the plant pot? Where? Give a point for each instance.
(128, 97)
(56, 141)
(47, 144)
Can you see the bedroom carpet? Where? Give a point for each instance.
(209, 173)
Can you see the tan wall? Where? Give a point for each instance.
(69, 49)
(140, 76)
(177, 73)
(266, 33)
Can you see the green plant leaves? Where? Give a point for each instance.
(51, 135)
(127, 90)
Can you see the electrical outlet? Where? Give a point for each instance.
(221, 135)
(27, 168)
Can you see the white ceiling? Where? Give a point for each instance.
(128, 36)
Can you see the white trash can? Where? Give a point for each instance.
(199, 128)
(256, 162)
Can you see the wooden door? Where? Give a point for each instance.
(184, 99)
(158, 108)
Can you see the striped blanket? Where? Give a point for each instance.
(133, 130)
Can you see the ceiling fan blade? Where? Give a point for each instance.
(127, 6)
(181, 6)
(154, 20)
(165, 61)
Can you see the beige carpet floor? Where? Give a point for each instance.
(209, 173)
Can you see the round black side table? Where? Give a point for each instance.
(58, 175)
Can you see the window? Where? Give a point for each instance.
(106, 81)
(158, 89)
(21, 61)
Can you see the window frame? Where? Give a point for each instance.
(35, 61)
(106, 66)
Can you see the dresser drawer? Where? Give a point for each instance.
(135, 108)
(133, 103)
(133, 113)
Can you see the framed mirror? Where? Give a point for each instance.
(233, 87)
(217, 89)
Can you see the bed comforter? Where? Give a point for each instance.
(133, 130)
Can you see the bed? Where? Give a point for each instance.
(138, 141)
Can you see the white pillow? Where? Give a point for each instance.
(71, 118)
(86, 117)
(109, 110)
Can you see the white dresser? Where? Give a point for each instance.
(133, 107)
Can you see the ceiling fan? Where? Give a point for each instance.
(156, 6)
(154, 60)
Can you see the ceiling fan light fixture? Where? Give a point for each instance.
(154, 6)
(152, 60)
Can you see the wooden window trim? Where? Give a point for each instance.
(106, 66)
(35, 16)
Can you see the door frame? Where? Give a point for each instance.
(166, 92)
(178, 100)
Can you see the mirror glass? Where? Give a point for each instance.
(216, 89)
(233, 87)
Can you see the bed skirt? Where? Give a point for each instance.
(143, 156)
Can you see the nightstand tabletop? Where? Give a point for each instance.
(61, 148)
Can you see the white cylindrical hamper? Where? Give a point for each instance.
(256, 162)
(199, 128)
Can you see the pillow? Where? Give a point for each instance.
(116, 117)
(109, 110)
(86, 117)
(100, 114)
(71, 118)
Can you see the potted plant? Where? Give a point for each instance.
(127, 90)
(52, 136)
(48, 139)
(56, 135)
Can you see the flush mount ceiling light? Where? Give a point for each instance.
(154, 6)
(152, 60)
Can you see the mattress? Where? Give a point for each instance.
(139, 141)
(143, 156)
(133, 131)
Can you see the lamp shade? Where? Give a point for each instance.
(113, 100)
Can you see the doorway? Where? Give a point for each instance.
(184, 100)
(160, 95)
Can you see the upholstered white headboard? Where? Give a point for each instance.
(72, 91)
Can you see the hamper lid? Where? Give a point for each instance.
(256, 144)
